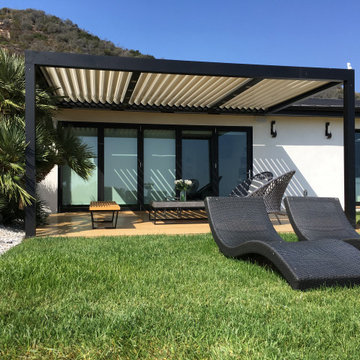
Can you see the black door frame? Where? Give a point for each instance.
(214, 150)
(357, 131)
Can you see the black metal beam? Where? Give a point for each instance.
(30, 134)
(140, 167)
(250, 154)
(178, 153)
(284, 104)
(101, 163)
(294, 110)
(236, 92)
(132, 83)
(184, 67)
(349, 148)
(214, 162)
(155, 108)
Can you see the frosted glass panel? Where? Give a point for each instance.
(77, 191)
(232, 160)
(159, 165)
(120, 165)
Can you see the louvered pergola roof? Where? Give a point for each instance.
(175, 92)
(177, 86)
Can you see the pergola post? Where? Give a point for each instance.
(30, 133)
(349, 147)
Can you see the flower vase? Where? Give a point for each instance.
(183, 195)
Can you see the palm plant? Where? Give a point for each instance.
(12, 169)
(54, 146)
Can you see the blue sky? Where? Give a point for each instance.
(277, 32)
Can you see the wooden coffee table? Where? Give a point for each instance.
(177, 210)
(104, 207)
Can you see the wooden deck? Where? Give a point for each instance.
(129, 223)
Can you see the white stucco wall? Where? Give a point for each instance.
(47, 190)
(300, 145)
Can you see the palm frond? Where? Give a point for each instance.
(75, 153)
(53, 146)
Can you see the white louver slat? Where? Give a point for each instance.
(76, 84)
(102, 84)
(84, 85)
(110, 87)
(122, 84)
(93, 86)
(55, 79)
(67, 83)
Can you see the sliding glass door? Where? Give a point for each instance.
(233, 160)
(137, 164)
(196, 162)
(120, 166)
(159, 165)
(75, 190)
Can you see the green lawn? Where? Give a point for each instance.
(163, 297)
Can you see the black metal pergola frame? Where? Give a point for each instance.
(35, 60)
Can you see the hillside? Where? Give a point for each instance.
(35, 30)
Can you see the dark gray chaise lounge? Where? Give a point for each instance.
(316, 218)
(241, 227)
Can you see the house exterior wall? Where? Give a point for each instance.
(300, 145)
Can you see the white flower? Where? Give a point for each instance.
(182, 184)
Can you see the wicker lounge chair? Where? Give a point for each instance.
(272, 192)
(241, 227)
(316, 218)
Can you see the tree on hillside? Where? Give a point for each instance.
(54, 146)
